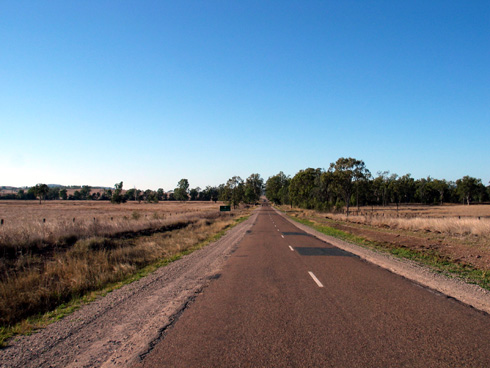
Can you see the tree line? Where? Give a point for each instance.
(234, 191)
(347, 182)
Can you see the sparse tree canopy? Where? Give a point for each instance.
(467, 187)
(40, 191)
(233, 192)
(182, 191)
(117, 196)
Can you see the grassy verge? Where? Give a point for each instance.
(430, 258)
(194, 237)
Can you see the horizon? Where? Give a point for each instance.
(149, 93)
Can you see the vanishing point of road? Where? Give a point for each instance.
(287, 299)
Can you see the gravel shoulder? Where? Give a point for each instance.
(116, 330)
(470, 294)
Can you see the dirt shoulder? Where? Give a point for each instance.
(115, 330)
(470, 294)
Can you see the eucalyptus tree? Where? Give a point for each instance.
(277, 188)
(63, 194)
(381, 187)
(467, 187)
(194, 193)
(40, 191)
(182, 191)
(441, 187)
(233, 192)
(85, 192)
(117, 196)
(347, 172)
(302, 187)
(254, 186)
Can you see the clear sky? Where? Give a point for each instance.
(149, 92)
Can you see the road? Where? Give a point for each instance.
(288, 299)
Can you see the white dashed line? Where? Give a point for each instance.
(315, 279)
(282, 236)
(290, 247)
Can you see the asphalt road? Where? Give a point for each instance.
(287, 299)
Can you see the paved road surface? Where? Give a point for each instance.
(287, 299)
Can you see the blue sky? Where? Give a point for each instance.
(149, 92)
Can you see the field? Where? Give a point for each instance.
(28, 225)
(454, 238)
(61, 250)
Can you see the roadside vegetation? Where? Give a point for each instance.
(234, 191)
(348, 183)
(60, 262)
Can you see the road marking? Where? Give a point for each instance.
(282, 236)
(277, 229)
(290, 247)
(315, 279)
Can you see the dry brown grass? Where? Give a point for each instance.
(449, 225)
(33, 282)
(28, 225)
(446, 210)
(450, 219)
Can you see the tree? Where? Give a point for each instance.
(395, 189)
(213, 193)
(161, 194)
(347, 173)
(181, 193)
(233, 192)
(40, 191)
(21, 194)
(63, 194)
(150, 196)
(106, 195)
(302, 187)
(380, 187)
(53, 193)
(193, 193)
(85, 192)
(441, 186)
(324, 192)
(117, 196)
(467, 187)
(277, 188)
(254, 186)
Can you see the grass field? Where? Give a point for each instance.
(27, 225)
(457, 220)
(47, 263)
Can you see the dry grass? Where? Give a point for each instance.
(452, 220)
(450, 226)
(446, 210)
(34, 282)
(29, 226)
